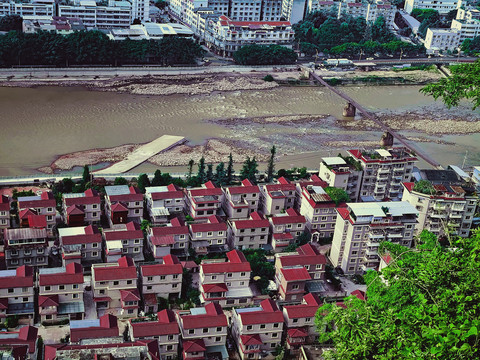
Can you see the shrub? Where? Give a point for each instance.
(268, 78)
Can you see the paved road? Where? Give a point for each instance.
(143, 153)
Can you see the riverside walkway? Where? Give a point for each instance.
(377, 121)
(142, 154)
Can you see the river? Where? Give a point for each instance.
(38, 124)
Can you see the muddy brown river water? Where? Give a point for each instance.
(38, 124)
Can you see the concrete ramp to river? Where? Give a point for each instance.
(143, 153)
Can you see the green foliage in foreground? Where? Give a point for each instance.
(93, 48)
(463, 84)
(426, 307)
(264, 55)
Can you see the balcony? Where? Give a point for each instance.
(440, 206)
(383, 171)
(438, 215)
(373, 244)
(399, 169)
(456, 216)
(371, 253)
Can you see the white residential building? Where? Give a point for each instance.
(362, 226)
(468, 29)
(442, 6)
(337, 173)
(439, 40)
(30, 10)
(241, 201)
(163, 201)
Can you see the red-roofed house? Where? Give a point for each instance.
(276, 198)
(81, 245)
(204, 201)
(290, 222)
(82, 208)
(301, 318)
(173, 238)
(124, 240)
(165, 330)
(25, 246)
(43, 204)
(249, 234)
(61, 293)
(209, 237)
(226, 283)
(241, 201)
(105, 326)
(163, 201)
(17, 294)
(115, 287)
(203, 328)
(257, 330)
(161, 280)
(123, 204)
(22, 343)
(4, 212)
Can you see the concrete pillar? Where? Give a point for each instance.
(387, 139)
(349, 110)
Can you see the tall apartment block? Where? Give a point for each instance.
(336, 172)
(383, 172)
(361, 227)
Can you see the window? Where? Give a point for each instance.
(129, 282)
(130, 311)
(295, 321)
(27, 252)
(273, 345)
(25, 299)
(218, 339)
(94, 245)
(149, 278)
(205, 330)
(115, 283)
(276, 325)
(40, 251)
(210, 233)
(94, 206)
(74, 296)
(162, 277)
(308, 319)
(249, 327)
(229, 275)
(101, 292)
(61, 287)
(136, 250)
(199, 234)
(11, 291)
(149, 287)
(170, 337)
(182, 237)
(191, 331)
(220, 233)
(174, 286)
(94, 253)
(219, 329)
(47, 288)
(262, 326)
(49, 209)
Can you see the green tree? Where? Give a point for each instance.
(264, 55)
(145, 225)
(157, 178)
(201, 174)
(230, 169)
(86, 174)
(337, 195)
(220, 175)
(190, 168)
(143, 182)
(471, 46)
(67, 185)
(249, 170)
(271, 164)
(463, 84)
(209, 172)
(11, 23)
(260, 267)
(423, 305)
(120, 181)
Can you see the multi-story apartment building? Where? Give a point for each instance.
(80, 244)
(4, 213)
(210, 237)
(226, 283)
(249, 234)
(291, 282)
(319, 211)
(142, 349)
(82, 208)
(25, 246)
(123, 204)
(205, 201)
(300, 322)
(203, 330)
(360, 228)
(22, 344)
(105, 327)
(29, 10)
(257, 330)
(439, 40)
(241, 201)
(165, 330)
(115, 287)
(467, 23)
(124, 240)
(161, 280)
(276, 198)
(307, 256)
(43, 204)
(61, 293)
(336, 172)
(163, 201)
(226, 36)
(384, 170)
(289, 223)
(449, 204)
(172, 238)
(443, 6)
(17, 294)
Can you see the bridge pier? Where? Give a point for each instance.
(349, 110)
(387, 139)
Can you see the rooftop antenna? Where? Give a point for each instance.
(465, 159)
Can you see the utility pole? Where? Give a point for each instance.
(401, 53)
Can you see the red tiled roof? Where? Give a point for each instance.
(280, 187)
(295, 274)
(23, 278)
(236, 256)
(294, 260)
(261, 317)
(194, 346)
(47, 200)
(251, 224)
(48, 300)
(283, 236)
(344, 213)
(108, 328)
(3, 303)
(91, 197)
(25, 213)
(118, 207)
(156, 328)
(293, 217)
(161, 269)
(167, 195)
(311, 299)
(251, 340)
(245, 189)
(37, 221)
(387, 258)
(409, 186)
(211, 288)
(169, 230)
(297, 332)
(130, 295)
(205, 192)
(27, 336)
(4, 203)
(120, 272)
(225, 267)
(189, 264)
(301, 311)
(213, 318)
(81, 239)
(308, 249)
(162, 240)
(73, 275)
(75, 210)
(132, 232)
(221, 226)
(170, 259)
